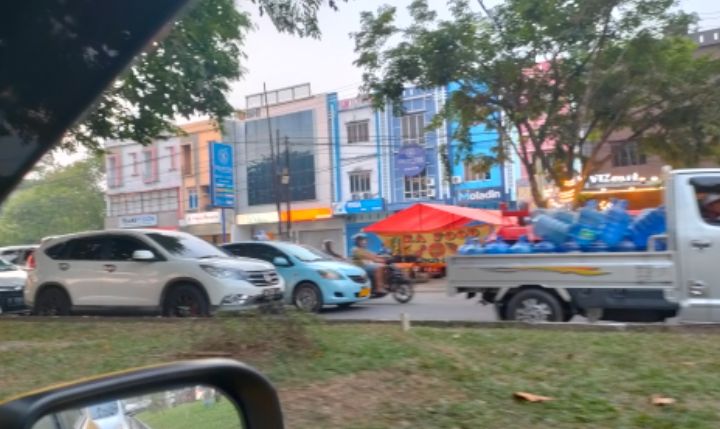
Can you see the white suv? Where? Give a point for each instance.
(173, 273)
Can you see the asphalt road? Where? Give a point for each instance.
(426, 305)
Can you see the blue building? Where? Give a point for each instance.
(415, 168)
(480, 190)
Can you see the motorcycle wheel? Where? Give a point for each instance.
(403, 292)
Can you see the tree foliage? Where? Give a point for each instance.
(188, 73)
(59, 200)
(557, 79)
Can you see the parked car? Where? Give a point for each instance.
(144, 270)
(17, 255)
(312, 278)
(12, 283)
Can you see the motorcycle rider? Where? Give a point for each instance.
(372, 263)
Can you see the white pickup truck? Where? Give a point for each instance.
(651, 286)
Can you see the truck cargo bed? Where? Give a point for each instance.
(624, 270)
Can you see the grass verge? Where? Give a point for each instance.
(377, 376)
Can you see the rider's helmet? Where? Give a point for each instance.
(359, 236)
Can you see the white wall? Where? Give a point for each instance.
(350, 152)
(166, 177)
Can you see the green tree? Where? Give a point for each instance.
(569, 73)
(59, 201)
(188, 73)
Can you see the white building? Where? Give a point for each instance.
(143, 184)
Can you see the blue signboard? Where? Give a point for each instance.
(222, 178)
(410, 160)
(480, 195)
(365, 206)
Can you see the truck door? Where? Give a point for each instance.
(698, 245)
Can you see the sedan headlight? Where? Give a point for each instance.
(224, 273)
(330, 274)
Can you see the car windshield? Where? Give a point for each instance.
(187, 246)
(7, 266)
(103, 411)
(306, 253)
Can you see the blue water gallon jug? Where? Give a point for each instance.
(569, 246)
(521, 246)
(497, 247)
(617, 223)
(589, 225)
(649, 222)
(550, 229)
(598, 246)
(626, 245)
(472, 246)
(564, 216)
(544, 247)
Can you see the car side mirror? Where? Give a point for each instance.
(143, 255)
(197, 393)
(281, 261)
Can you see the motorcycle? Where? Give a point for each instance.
(396, 282)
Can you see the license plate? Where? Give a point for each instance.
(270, 292)
(364, 292)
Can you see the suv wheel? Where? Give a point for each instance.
(52, 301)
(185, 301)
(307, 297)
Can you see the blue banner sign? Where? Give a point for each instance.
(222, 178)
(365, 206)
(410, 160)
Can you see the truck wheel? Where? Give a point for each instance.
(533, 305)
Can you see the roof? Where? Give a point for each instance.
(707, 38)
(435, 217)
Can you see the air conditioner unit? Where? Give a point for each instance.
(356, 197)
(430, 181)
(367, 195)
(431, 193)
(456, 180)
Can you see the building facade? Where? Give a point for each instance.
(143, 184)
(288, 158)
(415, 167)
(361, 169)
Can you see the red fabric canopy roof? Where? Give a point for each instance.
(435, 217)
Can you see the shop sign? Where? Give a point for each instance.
(300, 215)
(434, 246)
(611, 179)
(222, 179)
(479, 195)
(202, 218)
(339, 209)
(255, 218)
(365, 206)
(138, 221)
(410, 160)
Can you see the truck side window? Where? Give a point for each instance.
(707, 194)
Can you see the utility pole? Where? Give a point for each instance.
(286, 182)
(278, 185)
(274, 162)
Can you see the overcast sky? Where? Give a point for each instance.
(282, 60)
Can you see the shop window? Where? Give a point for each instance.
(627, 154)
(135, 165)
(473, 176)
(358, 131)
(416, 187)
(114, 171)
(413, 129)
(186, 160)
(359, 182)
(192, 200)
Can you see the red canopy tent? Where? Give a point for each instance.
(435, 217)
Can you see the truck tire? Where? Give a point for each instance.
(534, 305)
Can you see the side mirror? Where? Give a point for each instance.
(281, 261)
(143, 255)
(202, 394)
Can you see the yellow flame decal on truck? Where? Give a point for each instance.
(580, 271)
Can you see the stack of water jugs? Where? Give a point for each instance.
(586, 230)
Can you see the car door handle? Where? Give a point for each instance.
(109, 268)
(700, 244)
(63, 266)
